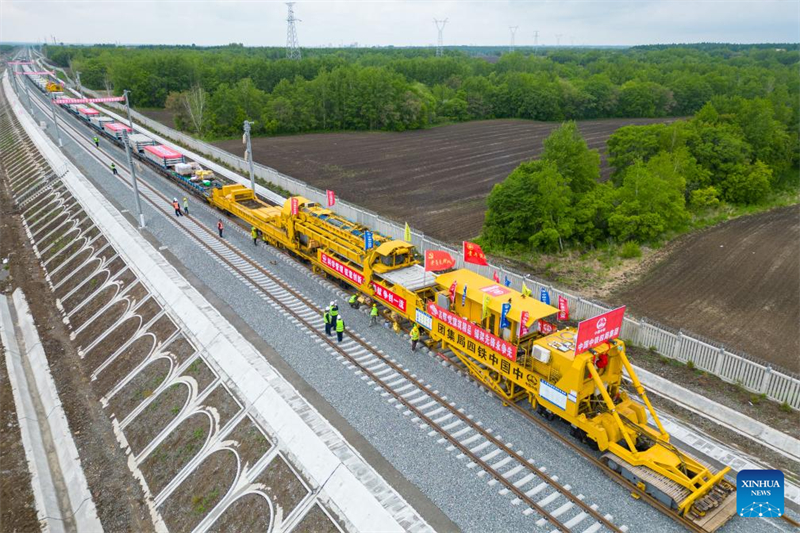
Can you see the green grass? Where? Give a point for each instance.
(630, 250)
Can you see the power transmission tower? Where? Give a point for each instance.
(292, 47)
(440, 24)
(535, 41)
(558, 38)
(513, 35)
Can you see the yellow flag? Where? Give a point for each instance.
(485, 309)
(407, 236)
(525, 290)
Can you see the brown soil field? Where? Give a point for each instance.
(737, 283)
(437, 180)
(159, 115)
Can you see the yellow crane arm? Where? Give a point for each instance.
(640, 390)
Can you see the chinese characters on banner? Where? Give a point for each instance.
(545, 327)
(523, 321)
(563, 308)
(504, 323)
(474, 254)
(398, 302)
(544, 296)
(368, 241)
(341, 269)
(331, 198)
(469, 336)
(595, 331)
(437, 260)
(294, 205)
(495, 290)
(453, 291)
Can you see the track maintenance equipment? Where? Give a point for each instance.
(520, 354)
(534, 362)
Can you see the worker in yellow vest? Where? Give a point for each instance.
(339, 329)
(254, 235)
(373, 315)
(328, 322)
(353, 301)
(414, 337)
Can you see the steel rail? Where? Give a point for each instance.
(583, 506)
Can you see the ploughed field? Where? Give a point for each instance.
(437, 180)
(737, 283)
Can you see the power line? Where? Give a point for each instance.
(535, 40)
(440, 24)
(292, 46)
(513, 35)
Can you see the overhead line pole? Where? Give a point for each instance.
(127, 141)
(128, 108)
(55, 122)
(249, 154)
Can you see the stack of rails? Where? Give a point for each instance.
(165, 160)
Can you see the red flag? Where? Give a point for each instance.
(563, 308)
(523, 318)
(496, 277)
(453, 291)
(474, 254)
(438, 260)
(331, 198)
(295, 205)
(546, 327)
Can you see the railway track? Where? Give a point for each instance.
(533, 489)
(528, 484)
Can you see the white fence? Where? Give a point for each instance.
(755, 376)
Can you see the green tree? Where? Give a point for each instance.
(747, 184)
(531, 206)
(568, 151)
(651, 201)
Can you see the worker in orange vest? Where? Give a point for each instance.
(177, 207)
(219, 227)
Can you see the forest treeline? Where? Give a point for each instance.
(213, 90)
(734, 151)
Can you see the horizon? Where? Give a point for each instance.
(402, 23)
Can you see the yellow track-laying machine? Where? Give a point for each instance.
(534, 362)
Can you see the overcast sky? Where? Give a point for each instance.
(397, 22)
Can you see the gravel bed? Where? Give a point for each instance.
(466, 498)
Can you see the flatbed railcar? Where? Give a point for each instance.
(521, 353)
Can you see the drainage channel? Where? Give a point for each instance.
(531, 485)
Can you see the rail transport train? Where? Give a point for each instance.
(536, 363)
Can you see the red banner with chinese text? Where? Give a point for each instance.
(479, 335)
(294, 203)
(331, 198)
(437, 260)
(474, 254)
(340, 268)
(563, 308)
(387, 296)
(595, 331)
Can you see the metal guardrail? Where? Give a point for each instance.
(749, 372)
